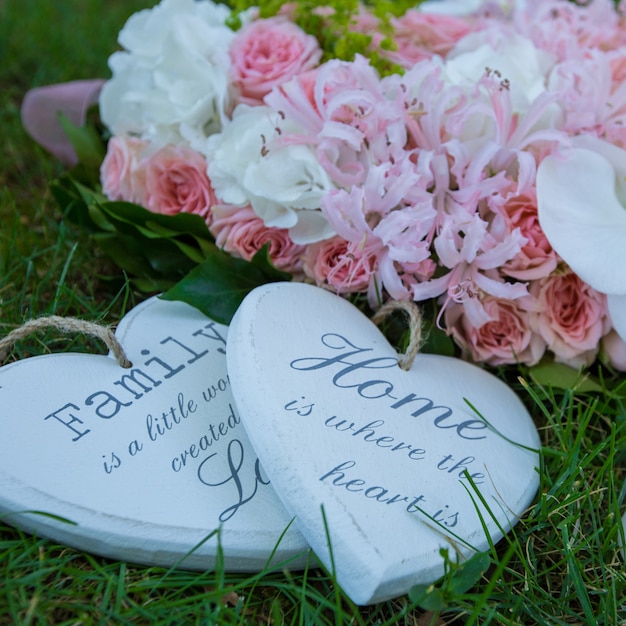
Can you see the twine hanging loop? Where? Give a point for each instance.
(415, 327)
(68, 325)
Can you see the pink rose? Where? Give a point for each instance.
(121, 172)
(177, 182)
(268, 52)
(422, 35)
(536, 259)
(241, 232)
(506, 338)
(338, 264)
(572, 317)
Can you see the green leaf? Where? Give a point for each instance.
(152, 285)
(427, 597)
(98, 218)
(437, 342)
(86, 143)
(89, 195)
(218, 286)
(561, 376)
(72, 203)
(155, 250)
(161, 230)
(182, 223)
(261, 260)
(468, 573)
(190, 251)
(146, 259)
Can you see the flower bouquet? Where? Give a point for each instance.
(468, 156)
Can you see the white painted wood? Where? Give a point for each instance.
(337, 424)
(146, 468)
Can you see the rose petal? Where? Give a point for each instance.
(582, 217)
(617, 313)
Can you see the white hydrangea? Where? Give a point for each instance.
(515, 57)
(516, 62)
(170, 84)
(464, 7)
(283, 183)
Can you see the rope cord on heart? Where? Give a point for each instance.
(415, 327)
(68, 325)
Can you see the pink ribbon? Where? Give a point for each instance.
(40, 114)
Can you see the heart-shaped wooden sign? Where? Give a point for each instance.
(380, 467)
(144, 462)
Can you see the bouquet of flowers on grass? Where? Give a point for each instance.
(469, 156)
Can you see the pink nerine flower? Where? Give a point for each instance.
(351, 122)
(474, 255)
(506, 338)
(571, 317)
(176, 182)
(389, 219)
(121, 173)
(568, 28)
(266, 53)
(592, 94)
(241, 232)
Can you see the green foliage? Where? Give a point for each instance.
(172, 253)
(332, 23)
(561, 376)
(218, 285)
(395, 328)
(155, 250)
(458, 579)
(88, 146)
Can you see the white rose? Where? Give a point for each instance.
(171, 84)
(283, 183)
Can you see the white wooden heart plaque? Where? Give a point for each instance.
(145, 461)
(386, 453)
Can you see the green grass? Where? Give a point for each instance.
(560, 565)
